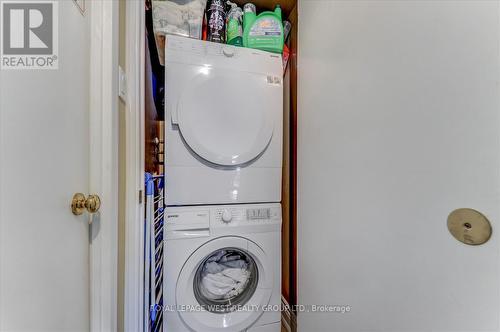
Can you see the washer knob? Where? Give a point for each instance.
(227, 216)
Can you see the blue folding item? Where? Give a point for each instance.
(153, 253)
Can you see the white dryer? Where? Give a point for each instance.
(222, 268)
(224, 130)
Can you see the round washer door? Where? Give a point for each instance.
(224, 285)
(226, 117)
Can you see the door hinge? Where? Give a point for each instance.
(122, 84)
(140, 196)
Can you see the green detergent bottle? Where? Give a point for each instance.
(234, 26)
(263, 31)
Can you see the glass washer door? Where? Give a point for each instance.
(226, 279)
(196, 316)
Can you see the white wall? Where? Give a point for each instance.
(398, 125)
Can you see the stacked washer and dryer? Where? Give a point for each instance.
(223, 166)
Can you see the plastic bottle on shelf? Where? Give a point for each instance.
(234, 26)
(250, 8)
(216, 21)
(287, 26)
(263, 31)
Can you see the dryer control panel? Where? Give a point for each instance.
(199, 52)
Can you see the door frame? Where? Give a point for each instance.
(103, 146)
(135, 158)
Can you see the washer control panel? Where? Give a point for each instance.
(251, 215)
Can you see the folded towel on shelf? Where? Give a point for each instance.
(177, 17)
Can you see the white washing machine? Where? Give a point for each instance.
(224, 123)
(222, 268)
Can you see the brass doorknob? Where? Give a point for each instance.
(79, 204)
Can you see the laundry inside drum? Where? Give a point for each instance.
(225, 280)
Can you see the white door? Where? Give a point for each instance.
(398, 125)
(45, 250)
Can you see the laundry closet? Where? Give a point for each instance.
(219, 158)
(390, 158)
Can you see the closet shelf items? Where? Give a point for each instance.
(221, 21)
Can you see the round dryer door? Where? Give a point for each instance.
(224, 285)
(226, 117)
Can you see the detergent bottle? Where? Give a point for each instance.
(234, 26)
(263, 31)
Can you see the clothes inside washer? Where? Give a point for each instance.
(225, 275)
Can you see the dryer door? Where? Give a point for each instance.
(224, 285)
(226, 116)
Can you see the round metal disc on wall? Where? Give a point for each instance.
(469, 226)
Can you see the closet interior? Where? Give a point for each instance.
(156, 188)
